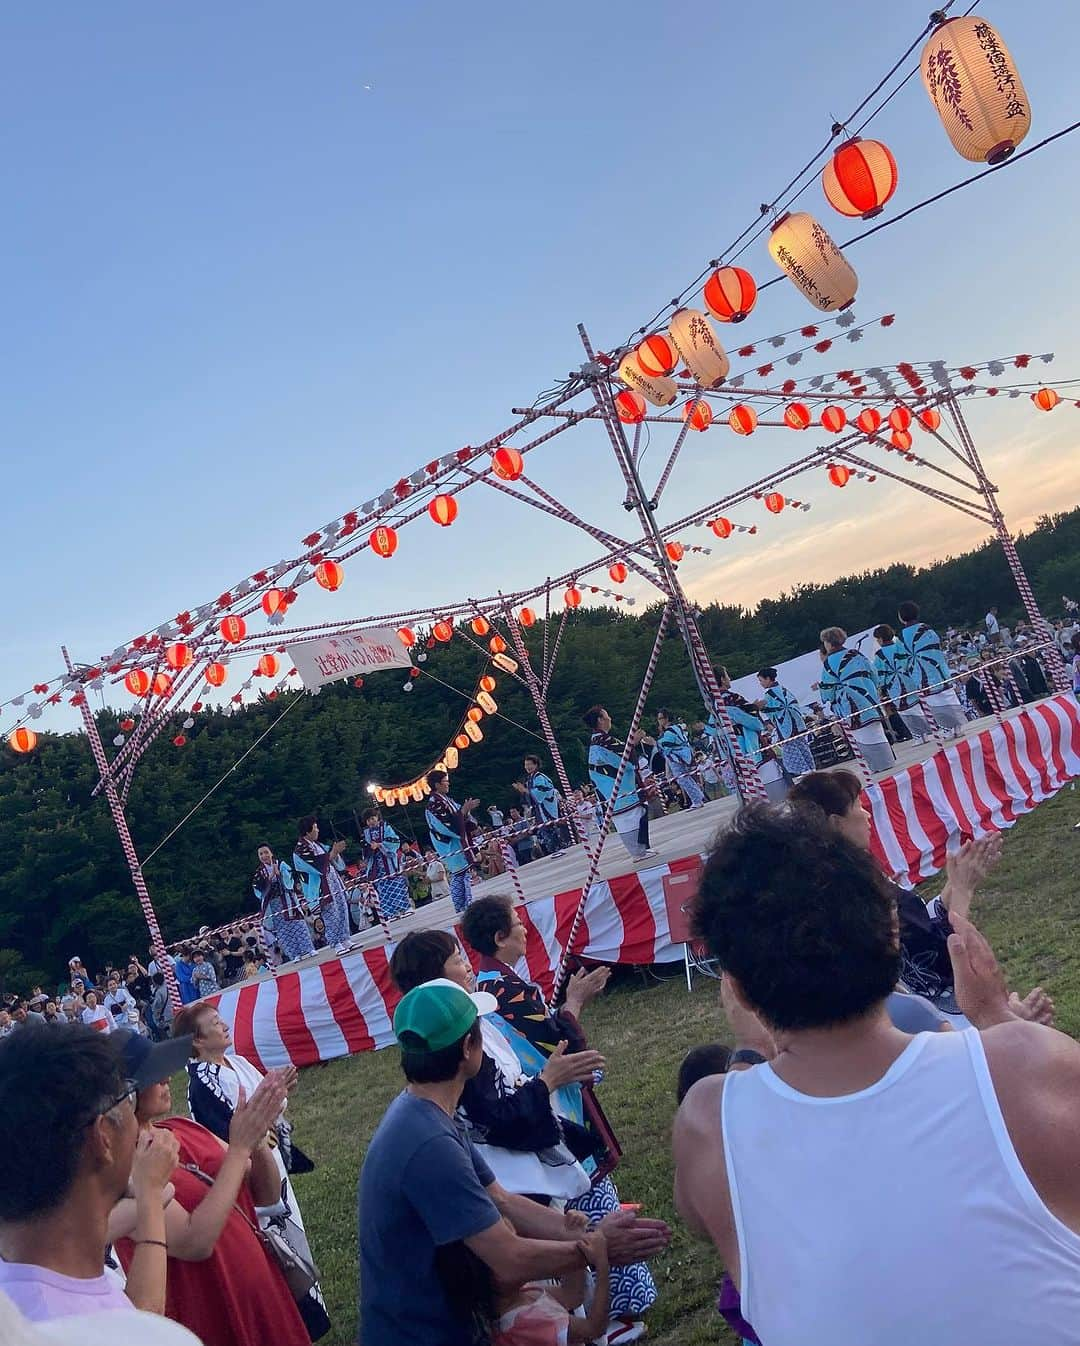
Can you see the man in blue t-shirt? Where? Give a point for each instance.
(424, 1188)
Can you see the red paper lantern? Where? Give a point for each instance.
(414, 672)
(480, 626)
(178, 656)
(774, 502)
(860, 178)
(527, 617)
(797, 416)
(930, 419)
(487, 683)
(383, 541)
(497, 645)
(572, 597)
(268, 665)
(901, 439)
(462, 742)
(475, 714)
(22, 739)
(657, 355)
(162, 684)
(698, 415)
(730, 293)
(675, 551)
(834, 419)
(900, 418)
(617, 573)
(1046, 399)
(216, 674)
(137, 682)
(839, 475)
(330, 575)
(127, 725)
(443, 630)
(358, 683)
(722, 527)
(273, 601)
(179, 741)
(407, 636)
(443, 509)
(868, 420)
(743, 419)
(629, 407)
(507, 463)
(233, 629)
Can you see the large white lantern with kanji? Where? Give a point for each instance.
(971, 78)
(802, 249)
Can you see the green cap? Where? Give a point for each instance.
(437, 1014)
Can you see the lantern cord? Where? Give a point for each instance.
(217, 784)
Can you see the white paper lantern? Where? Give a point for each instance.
(660, 392)
(971, 78)
(693, 337)
(802, 249)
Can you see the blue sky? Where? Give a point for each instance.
(244, 292)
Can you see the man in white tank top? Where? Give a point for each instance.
(864, 1187)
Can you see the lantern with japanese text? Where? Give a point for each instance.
(973, 84)
(860, 178)
(675, 551)
(443, 510)
(502, 660)
(839, 475)
(383, 542)
(161, 685)
(743, 419)
(268, 665)
(834, 419)
(178, 656)
(507, 463)
(868, 420)
(802, 249)
(443, 630)
(796, 416)
(273, 602)
(1046, 399)
(407, 636)
(233, 629)
(137, 682)
(416, 792)
(480, 626)
(657, 355)
(488, 702)
(473, 730)
(630, 407)
(658, 392)
(572, 597)
(22, 739)
(722, 527)
(216, 674)
(692, 336)
(617, 573)
(698, 415)
(450, 757)
(930, 419)
(774, 502)
(901, 439)
(527, 617)
(487, 683)
(730, 293)
(497, 645)
(330, 575)
(899, 418)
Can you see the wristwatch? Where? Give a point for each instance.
(746, 1056)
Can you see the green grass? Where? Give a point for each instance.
(1030, 910)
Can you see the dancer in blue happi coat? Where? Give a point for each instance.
(926, 668)
(896, 682)
(281, 906)
(451, 828)
(542, 797)
(382, 864)
(849, 687)
(630, 817)
(319, 871)
(785, 715)
(679, 756)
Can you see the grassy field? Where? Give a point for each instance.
(1030, 910)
